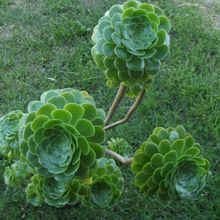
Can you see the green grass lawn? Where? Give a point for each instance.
(45, 44)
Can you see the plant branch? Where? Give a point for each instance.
(130, 112)
(118, 157)
(119, 96)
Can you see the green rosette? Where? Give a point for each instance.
(62, 134)
(9, 127)
(17, 174)
(34, 192)
(59, 194)
(120, 146)
(170, 165)
(55, 193)
(130, 42)
(106, 184)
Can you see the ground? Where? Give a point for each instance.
(46, 44)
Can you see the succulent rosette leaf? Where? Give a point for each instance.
(106, 185)
(130, 42)
(62, 134)
(120, 146)
(9, 127)
(170, 165)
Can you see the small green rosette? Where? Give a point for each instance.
(61, 135)
(9, 127)
(106, 184)
(130, 42)
(170, 165)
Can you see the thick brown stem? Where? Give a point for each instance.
(118, 157)
(130, 112)
(119, 96)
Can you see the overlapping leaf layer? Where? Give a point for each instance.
(130, 41)
(170, 165)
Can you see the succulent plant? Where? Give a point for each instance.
(17, 174)
(9, 127)
(106, 185)
(120, 146)
(130, 41)
(170, 165)
(34, 192)
(59, 194)
(62, 133)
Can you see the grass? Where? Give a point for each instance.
(45, 44)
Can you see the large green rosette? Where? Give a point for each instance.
(106, 184)
(62, 133)
(170, 165)
(130, 42)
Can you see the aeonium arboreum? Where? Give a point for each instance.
(9, 127)
(130, 41)
(170, 165)
(62, 133)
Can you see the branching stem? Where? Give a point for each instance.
(130, 112)
(119, 96)
(118, 157)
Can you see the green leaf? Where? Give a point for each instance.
(34, 106)
(181, 131)
(148, 54)
(189, 142)
(61, 114)
(99, 135)
(116, 18)
(158, 11)
(164, 146)
(147, 168)
(170, 157)
(76, 111)
(141, 158)
(107, 32)
(120, 65)
(130, 4)
(127, 13)
(162, 52)
(156, 160)
(85, 128)
(99, 150)
(89, 111)
(193, 151)
(116, 39)
(178, 146)
(167, 168)
(147, 7)
(161, 37)
(164, 24)
(109, 62)
(58, 101)
(122, 53)
(38, 122)
(154, 18)
(48, 94)
(108, 49)
(115, 9)
(152, 64)
(102, 25)
(135, 63)
(46, 109)
(150, 149)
